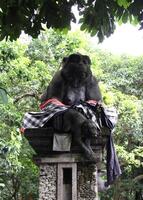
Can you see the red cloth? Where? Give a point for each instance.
(52, 100)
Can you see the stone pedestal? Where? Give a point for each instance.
(67, 177)
(64, 175)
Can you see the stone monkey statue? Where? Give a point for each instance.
(71, 85)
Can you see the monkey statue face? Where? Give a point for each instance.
(76, 70)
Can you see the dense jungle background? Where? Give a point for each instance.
(25, 71)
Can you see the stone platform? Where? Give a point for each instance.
(41, 140)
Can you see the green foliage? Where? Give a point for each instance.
(123, 72)
(17, 172)
(26, 71)
(98, 17)
(119, 76)
(9, 166)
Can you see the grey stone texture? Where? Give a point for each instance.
(85, 181)
(48, 182)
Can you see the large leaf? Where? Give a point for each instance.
(124, 3)
(3, 96)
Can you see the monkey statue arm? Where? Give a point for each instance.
(93, 90)
(55, 88)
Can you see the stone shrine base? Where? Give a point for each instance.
(67, 177)
(64, 175)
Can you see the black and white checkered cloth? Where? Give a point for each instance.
(39, 119)
(99, 117)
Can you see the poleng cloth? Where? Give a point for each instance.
(54, 107)
(48, 110)
(100, 116)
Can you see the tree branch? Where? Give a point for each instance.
(138, 178)
(26, 95)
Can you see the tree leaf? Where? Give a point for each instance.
(3, 96)
(2, 185)
(125, 17)
(124, 3)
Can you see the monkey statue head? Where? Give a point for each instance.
(76, 70)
